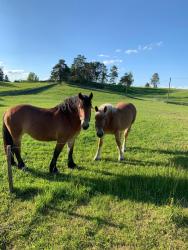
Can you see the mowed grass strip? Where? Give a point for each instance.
(140, 203)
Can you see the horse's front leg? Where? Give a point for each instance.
(118, 142)
(98, 154)
(58, 148)
(70, 146)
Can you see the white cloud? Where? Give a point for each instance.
(118, 50)
(159, 43)
(13, 74)
(103, 55)
(152, 45)
(131, 51)
(112, 61)
(145, 47)
(16, 74)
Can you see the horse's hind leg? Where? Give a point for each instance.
(98, 154)
(118, 142)
(70, 145)
(125, 139)
(58, 148)
(17, 152)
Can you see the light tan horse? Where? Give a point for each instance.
(61, 123)
(114, 120)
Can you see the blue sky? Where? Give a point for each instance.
(141, 36)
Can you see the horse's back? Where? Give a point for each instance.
(126, 113)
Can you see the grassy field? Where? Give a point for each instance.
(141, 203)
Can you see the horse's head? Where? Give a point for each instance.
(84, 109)
(100, 117)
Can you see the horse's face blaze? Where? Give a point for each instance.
(100, 123)
(85, 110)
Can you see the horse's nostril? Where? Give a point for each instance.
(99, 134)
(85, 127)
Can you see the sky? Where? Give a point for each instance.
(141, 36)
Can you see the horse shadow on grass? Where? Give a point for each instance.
(140, 188)
(157, 190)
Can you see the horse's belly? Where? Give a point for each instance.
(42, 137)
(41, 134)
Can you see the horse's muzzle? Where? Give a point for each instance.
(100, 134)
(86, 126)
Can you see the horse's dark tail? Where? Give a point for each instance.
(7, 138)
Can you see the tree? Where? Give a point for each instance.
(32, 77)
(6, 79)
(127, 79)
(1, 75)
(147, 85)
(113, 74)
(60, 72)
(78, 69)
(155, 80)
(95, 72)
(103, 74)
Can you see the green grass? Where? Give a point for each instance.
(141, 203)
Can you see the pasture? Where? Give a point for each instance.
(140, 203)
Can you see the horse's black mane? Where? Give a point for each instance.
(69, 105)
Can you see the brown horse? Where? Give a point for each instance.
(61, 123)
(114, 120)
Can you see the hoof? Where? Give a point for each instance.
(121, 159)
(72, 165)
(54, 170)
(97, 158)
(21, 165)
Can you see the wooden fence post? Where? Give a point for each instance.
(10, 181)
(168, 90)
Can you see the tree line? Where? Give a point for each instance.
(3, 77)
(81, 71)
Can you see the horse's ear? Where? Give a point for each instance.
(91, 96)
(96, 109)
(105, 109)
(80, 96)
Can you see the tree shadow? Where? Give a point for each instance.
(136, 162)
(177, 103)
(112, 92)
(179, 157)
(28, 91)
(180, 221)
(1, 105)
(180, 161)
(27, 193)
(99, 220)
(7, 84)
